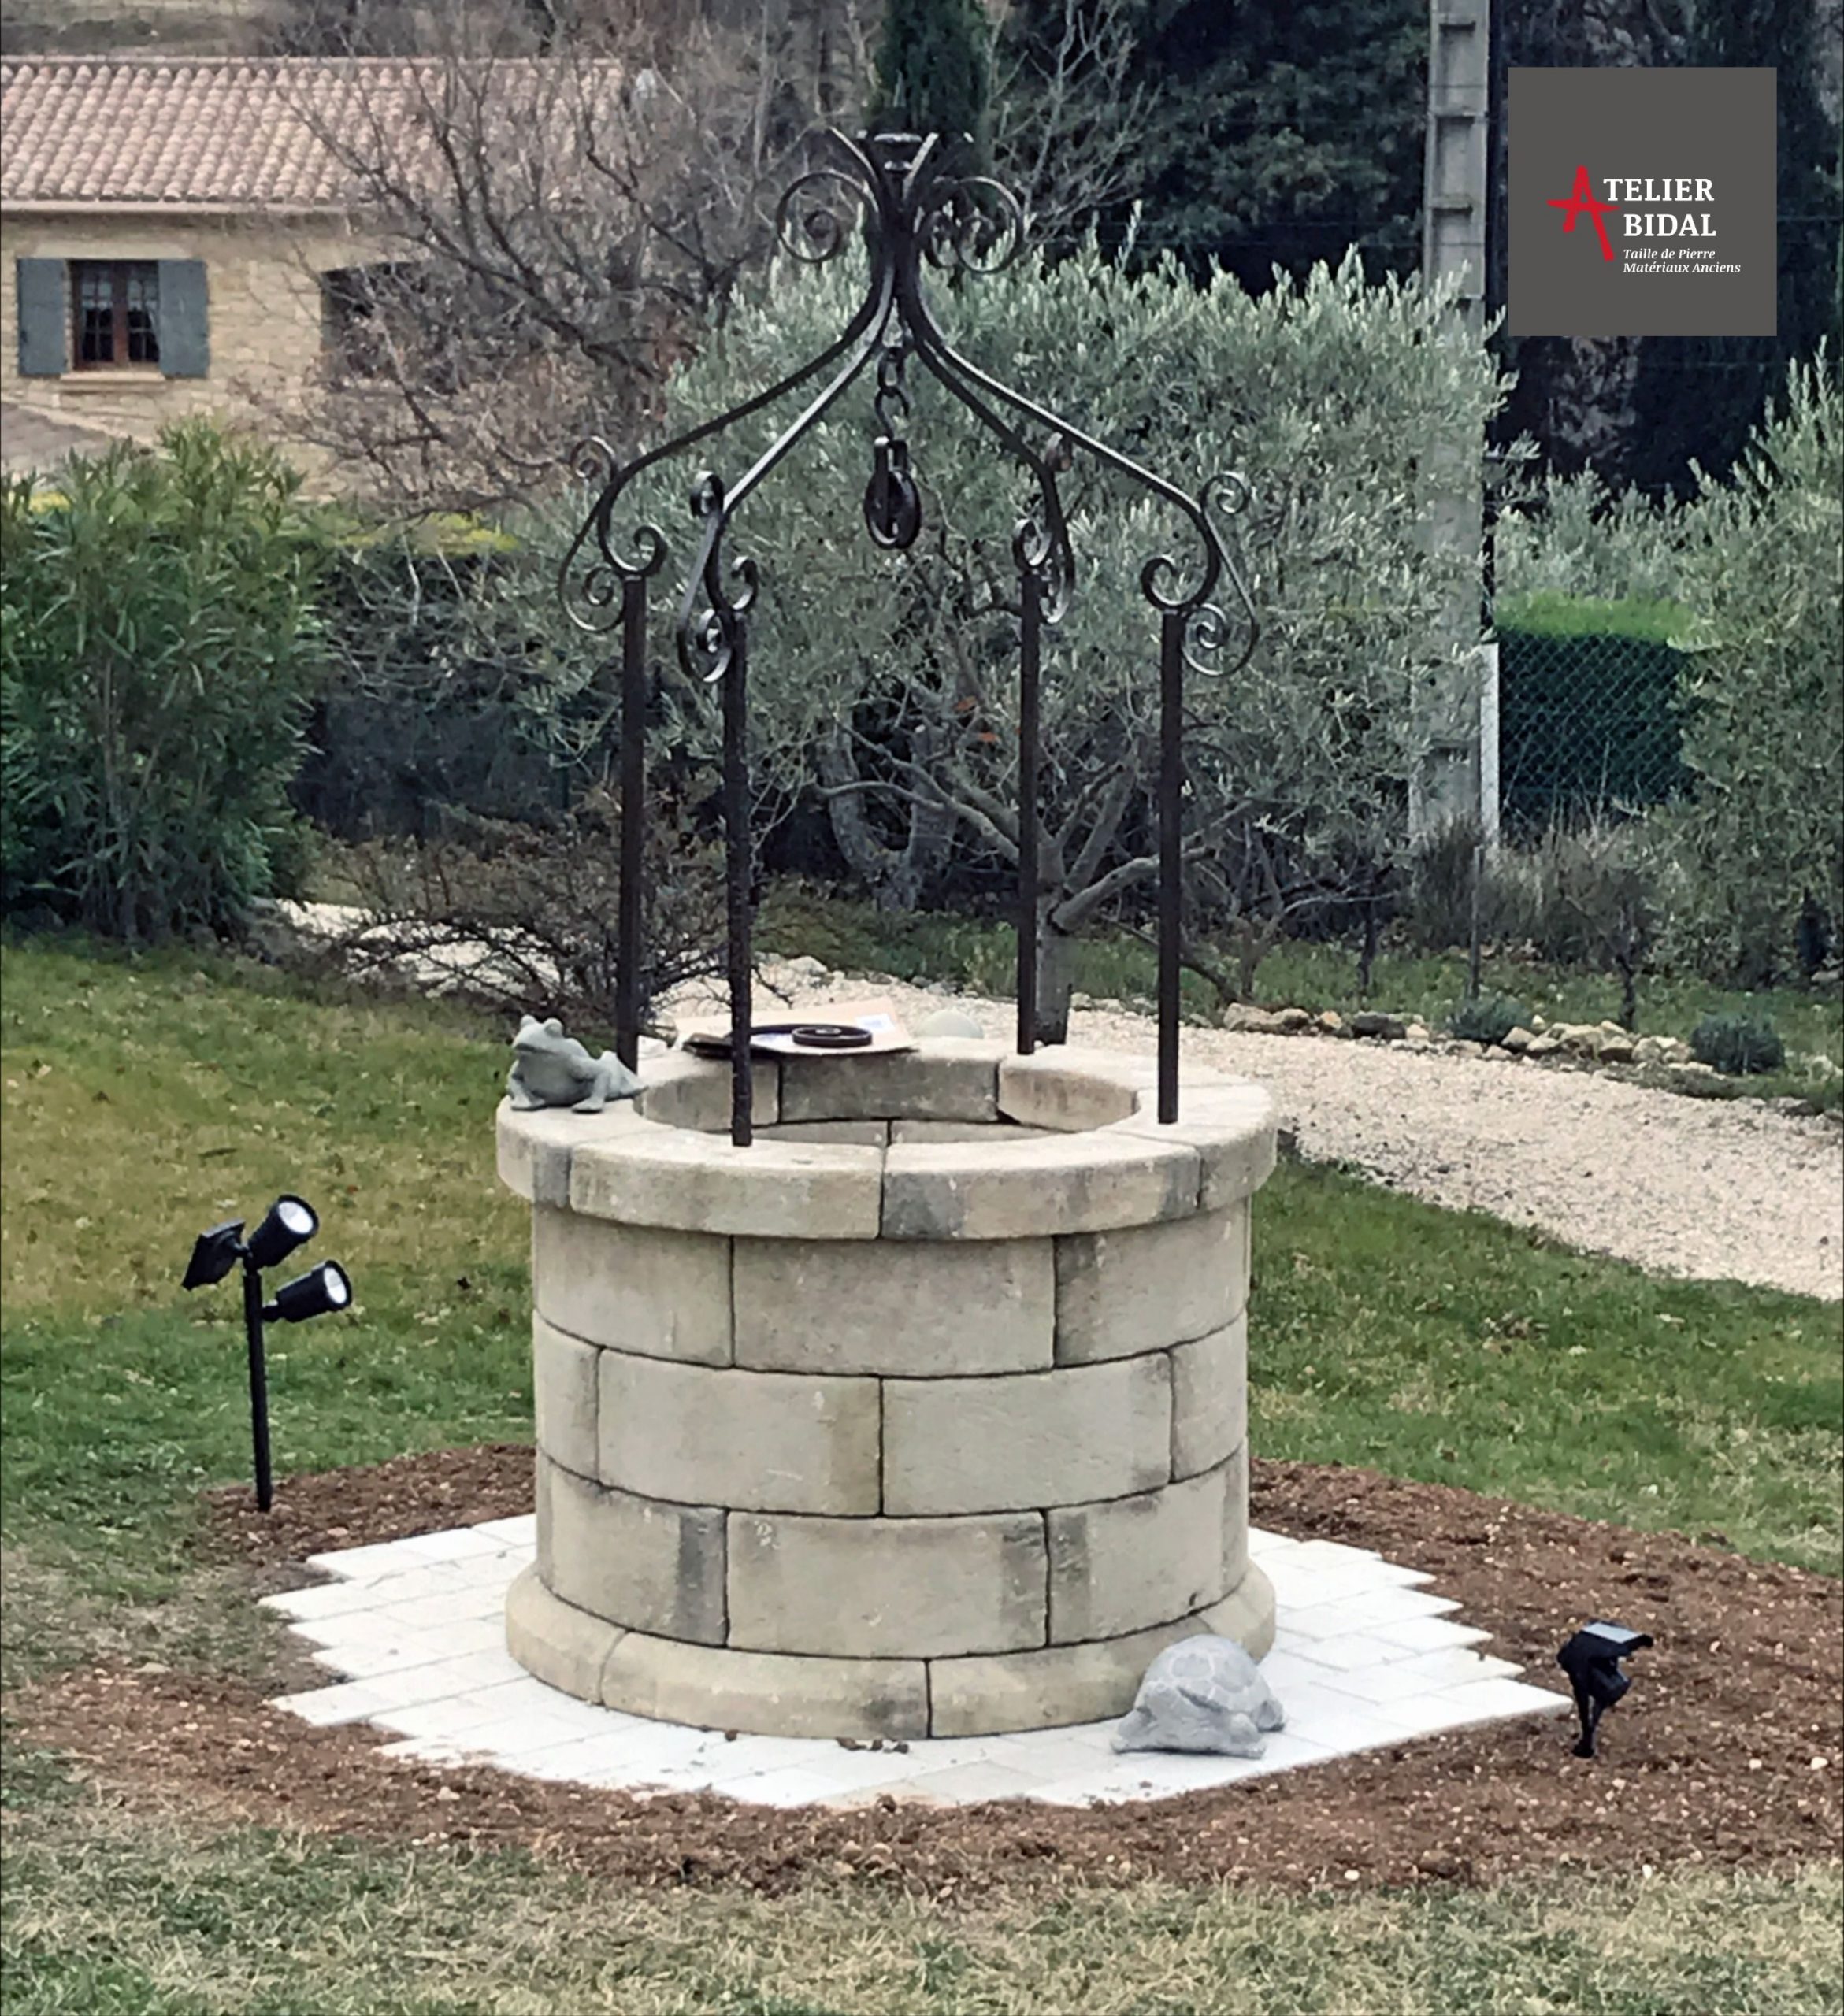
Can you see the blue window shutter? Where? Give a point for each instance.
(185, 332)
(44, 317)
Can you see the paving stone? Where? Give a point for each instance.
(564, 1646)
(1232, 1127)
(1027, 1438)
(1064, 1684)
(1141, 1288)
(640, 1288)
(848, 1305)
(765, 1693)
(1044, 1184)
(563, 1397)
(1069, 1091)
(945, 1078)
(649, 1566)
(885, 1587)
(1210, 1399)
(690, 1182)
(1133, 1562)
(765, 1441)
(682, 1089)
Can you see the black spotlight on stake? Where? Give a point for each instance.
(1592, 1661)
(290, 1222)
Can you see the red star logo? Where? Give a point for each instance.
(1582, 197)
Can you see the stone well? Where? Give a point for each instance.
(923, 1416)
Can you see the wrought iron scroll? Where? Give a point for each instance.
(900, 194)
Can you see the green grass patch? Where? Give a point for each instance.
(113, 1915)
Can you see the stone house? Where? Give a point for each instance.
(171, 237)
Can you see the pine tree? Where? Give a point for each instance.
(934, 69)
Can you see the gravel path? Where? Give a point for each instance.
(1702, 1188)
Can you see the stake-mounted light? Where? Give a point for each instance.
(1592, 1661)
(289, 1222)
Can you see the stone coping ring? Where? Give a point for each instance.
(925, 1415)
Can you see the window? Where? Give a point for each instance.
(117, 313)
(146, 315)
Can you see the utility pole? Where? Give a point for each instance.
(1456, 768)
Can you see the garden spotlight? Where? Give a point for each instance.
(317, 1293)
(289, 1222)
(1591, 1659)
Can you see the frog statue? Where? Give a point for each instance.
(551, 1068)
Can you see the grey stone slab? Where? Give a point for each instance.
(1210, 1399)
(659, 1292)
(946, 1078)
(564, 1646)
(1134, 1562)
(766, 1694)
(1026, 1439)
(768, 1441)
(1041, 1186)
(1142, 1287)
(646, 1566)
(563, 1395)
(885, 1587)
(905, 1308)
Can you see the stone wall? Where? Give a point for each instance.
(924, 1415)
(265, 326)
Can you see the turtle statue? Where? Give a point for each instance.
(1203, 1693)
(551, 1068)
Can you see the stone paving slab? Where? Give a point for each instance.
(1362, 1659)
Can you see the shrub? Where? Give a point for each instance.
(1490, 1019)
(1739, 1045)
(158, 645)
(1585, 896)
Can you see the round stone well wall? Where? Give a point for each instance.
(925, 1415)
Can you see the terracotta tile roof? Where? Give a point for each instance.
(240, 131)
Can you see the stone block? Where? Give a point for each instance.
(534, 1148)
(1027, 1438)
(1133, 1563)
(682, 1089)
(894, 1308)
(640, 1288)
(691, 1182)
(647, 1566)
(563, 1396)
(1231, 1127)
(1071, 1684)
(1042, 1185)
(947, 1078)
(1210, 1399)
(564, 1646)
(832, 1133)
(761, 1441)
(1068, 1090)
(764, 1694)
(875, 1588)
(1143, 1288)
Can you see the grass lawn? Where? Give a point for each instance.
(144, 1100)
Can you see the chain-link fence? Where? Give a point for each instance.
(1590, 721)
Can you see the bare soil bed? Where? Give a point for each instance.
(1703, 1188)
(1726, 1752)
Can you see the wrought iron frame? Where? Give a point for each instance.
(913, 209)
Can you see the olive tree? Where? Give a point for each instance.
(884, 684)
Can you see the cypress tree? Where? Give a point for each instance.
(934, 70)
